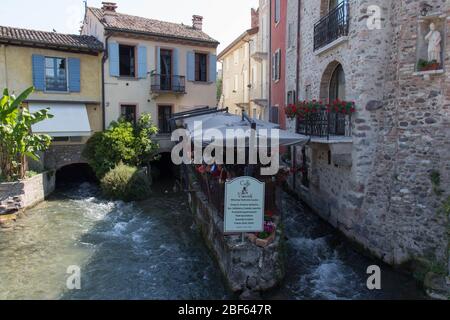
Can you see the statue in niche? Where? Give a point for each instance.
(434, 44)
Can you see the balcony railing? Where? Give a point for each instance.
(325, 124)
(168, 83)
(332, 26)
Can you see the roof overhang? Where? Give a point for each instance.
(161, 37)
(50, 46)
(242, 38)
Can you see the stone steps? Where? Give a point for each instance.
(10, 205)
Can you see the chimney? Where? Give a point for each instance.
(197, 22)
(109, 7)
(255, 18)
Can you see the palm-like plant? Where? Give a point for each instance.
(17, 142)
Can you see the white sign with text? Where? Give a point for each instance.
(244, 205)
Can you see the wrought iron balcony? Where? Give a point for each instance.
(332, 26)
(168, 83)
(324, 124)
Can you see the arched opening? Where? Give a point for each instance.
(327, 5)
(75, 174)
(164, 173)
(337, 84)
(333, 87)
(164, 169)
(333, 83)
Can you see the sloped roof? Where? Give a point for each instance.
(124, 22)
(52, 39)
(242, 37)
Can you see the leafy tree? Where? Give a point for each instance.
(17, 142)
(122, 142)
(219, 92)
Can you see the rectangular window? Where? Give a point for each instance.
(236, 57)
(164, 114)
(201, 67)
(127, 61)
(277, 11)
(128, 113)
(291, 97)
(236, 83)
(166, 69)
(276, 65)
(55, 74)
(291, 35)
(308, 93)
(274, 118)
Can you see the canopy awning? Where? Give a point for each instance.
(225, 121)
(69, 120)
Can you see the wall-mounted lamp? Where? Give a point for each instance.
(425, 8)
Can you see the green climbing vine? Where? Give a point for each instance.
(435, 178)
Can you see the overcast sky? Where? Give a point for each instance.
(223, 20)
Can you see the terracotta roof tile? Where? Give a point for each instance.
(70, 41)
(124, 22)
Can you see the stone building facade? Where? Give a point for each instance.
(383, 183)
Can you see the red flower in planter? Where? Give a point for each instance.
(269, 213)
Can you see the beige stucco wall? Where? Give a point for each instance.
(19, 76)
(138, 91)
(238, 62)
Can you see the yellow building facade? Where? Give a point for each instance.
(66, 73)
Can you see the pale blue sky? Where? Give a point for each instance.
(222, 22)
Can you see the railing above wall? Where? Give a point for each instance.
(332, 26)
(325, 124)
(168, 83)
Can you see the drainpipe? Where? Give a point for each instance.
(297, 89)
(270, 59)
(105, 57)
(4, 47)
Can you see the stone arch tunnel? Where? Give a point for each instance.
(74, 173)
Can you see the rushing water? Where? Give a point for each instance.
(152, 250)
(321, 264)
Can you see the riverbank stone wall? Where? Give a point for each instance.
(18, 196)
(248, 269)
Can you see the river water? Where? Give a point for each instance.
(153, 250)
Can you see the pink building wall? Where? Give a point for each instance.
(278, 36)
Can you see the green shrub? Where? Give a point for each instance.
(126, 183)
(122, 142)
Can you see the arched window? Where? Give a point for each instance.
(337, 84)
(333, 4)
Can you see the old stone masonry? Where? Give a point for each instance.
(388, 185)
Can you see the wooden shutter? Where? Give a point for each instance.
(212, 67)
(190, 66)
(158, 60)
(142, 62)
(38, 72)
(74, 75)
(176, 61)
(114, 60)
